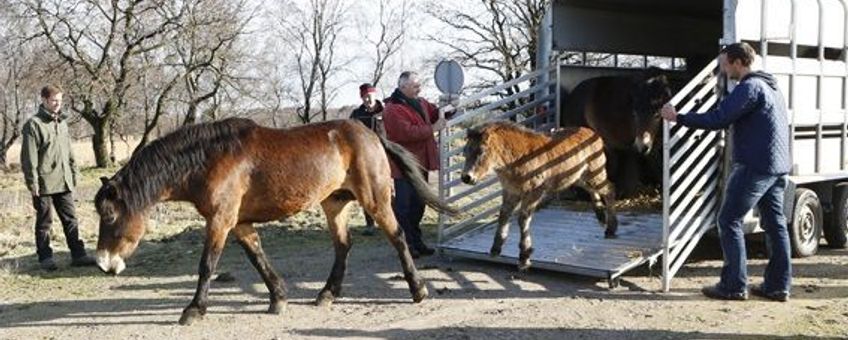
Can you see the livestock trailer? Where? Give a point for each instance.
(804, 43)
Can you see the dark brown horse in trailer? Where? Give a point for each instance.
(237, 173)
(624, 110)
(530, 166)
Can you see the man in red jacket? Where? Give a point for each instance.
(411, 121)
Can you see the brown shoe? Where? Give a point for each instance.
(83, 261)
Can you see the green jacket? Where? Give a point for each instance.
(46, 157)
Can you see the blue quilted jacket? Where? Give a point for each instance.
(756, 112)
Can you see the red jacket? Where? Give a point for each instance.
(406, 127)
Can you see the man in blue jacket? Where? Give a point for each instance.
(756, 112)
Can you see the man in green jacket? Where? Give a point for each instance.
(51, 175)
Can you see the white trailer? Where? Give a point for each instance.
(804, 43)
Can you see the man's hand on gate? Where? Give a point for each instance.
(439, 124)
(669, 113)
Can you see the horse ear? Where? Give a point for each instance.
(104, 180)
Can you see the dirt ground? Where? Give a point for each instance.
(469, 299)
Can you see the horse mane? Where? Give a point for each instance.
(177, 157)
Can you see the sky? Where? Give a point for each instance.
(418, 55)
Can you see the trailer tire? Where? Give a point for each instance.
(836, 222)
(806, 227)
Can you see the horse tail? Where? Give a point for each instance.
(412, 170)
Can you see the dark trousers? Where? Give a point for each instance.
(409, 210)
(746, 189)
(64, 204)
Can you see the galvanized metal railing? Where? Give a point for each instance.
(535, 105)
(691, 174)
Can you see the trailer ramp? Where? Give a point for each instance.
(571, 241)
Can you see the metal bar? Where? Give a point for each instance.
(686, 210)
(488, 107)
(691, 218)
(820, 85)
(487, 213)
(763, 31)
(507, 114)
(694, 82)
(844, 154)
(707, 88)
(689, 248)
(699, 223)
(703, 143)
(497, 88)
(444, 176)
(691, 174)
(557, 92)
(456, 167)
(482, 200)
(793, 78)
(480, 186)
(665, 206)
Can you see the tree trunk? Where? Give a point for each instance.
(3, 165)
(100, 143)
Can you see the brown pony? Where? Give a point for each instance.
(531, 165)
(237, 173)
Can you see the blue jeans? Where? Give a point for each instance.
(745, 189)
(409, 210)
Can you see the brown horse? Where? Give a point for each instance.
(531, 165)
(237, 173)
(624, 111)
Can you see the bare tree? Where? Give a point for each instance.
(386, 35)
(497, 36)
(205, 48)
(20, 78)
(99, 40)
(312, 34)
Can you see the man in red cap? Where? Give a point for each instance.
(369, 113)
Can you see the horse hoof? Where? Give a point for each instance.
(190, 315)
(524, 266)
(325, 299)
(420, 294)
(610, 235)
(276, 307)
(495, 252)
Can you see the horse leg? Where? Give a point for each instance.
(525, 215)
(380, 208)
(249, 239)
(603, 200)
(335, 208)
(509, 202)
(216, 237)
(611, 220)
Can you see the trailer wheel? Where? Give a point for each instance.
(805, 230)
(836, 222)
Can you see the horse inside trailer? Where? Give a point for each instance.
(803, 46)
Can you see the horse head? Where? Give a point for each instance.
(120, 229)
(649, 96)
(478, 156)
